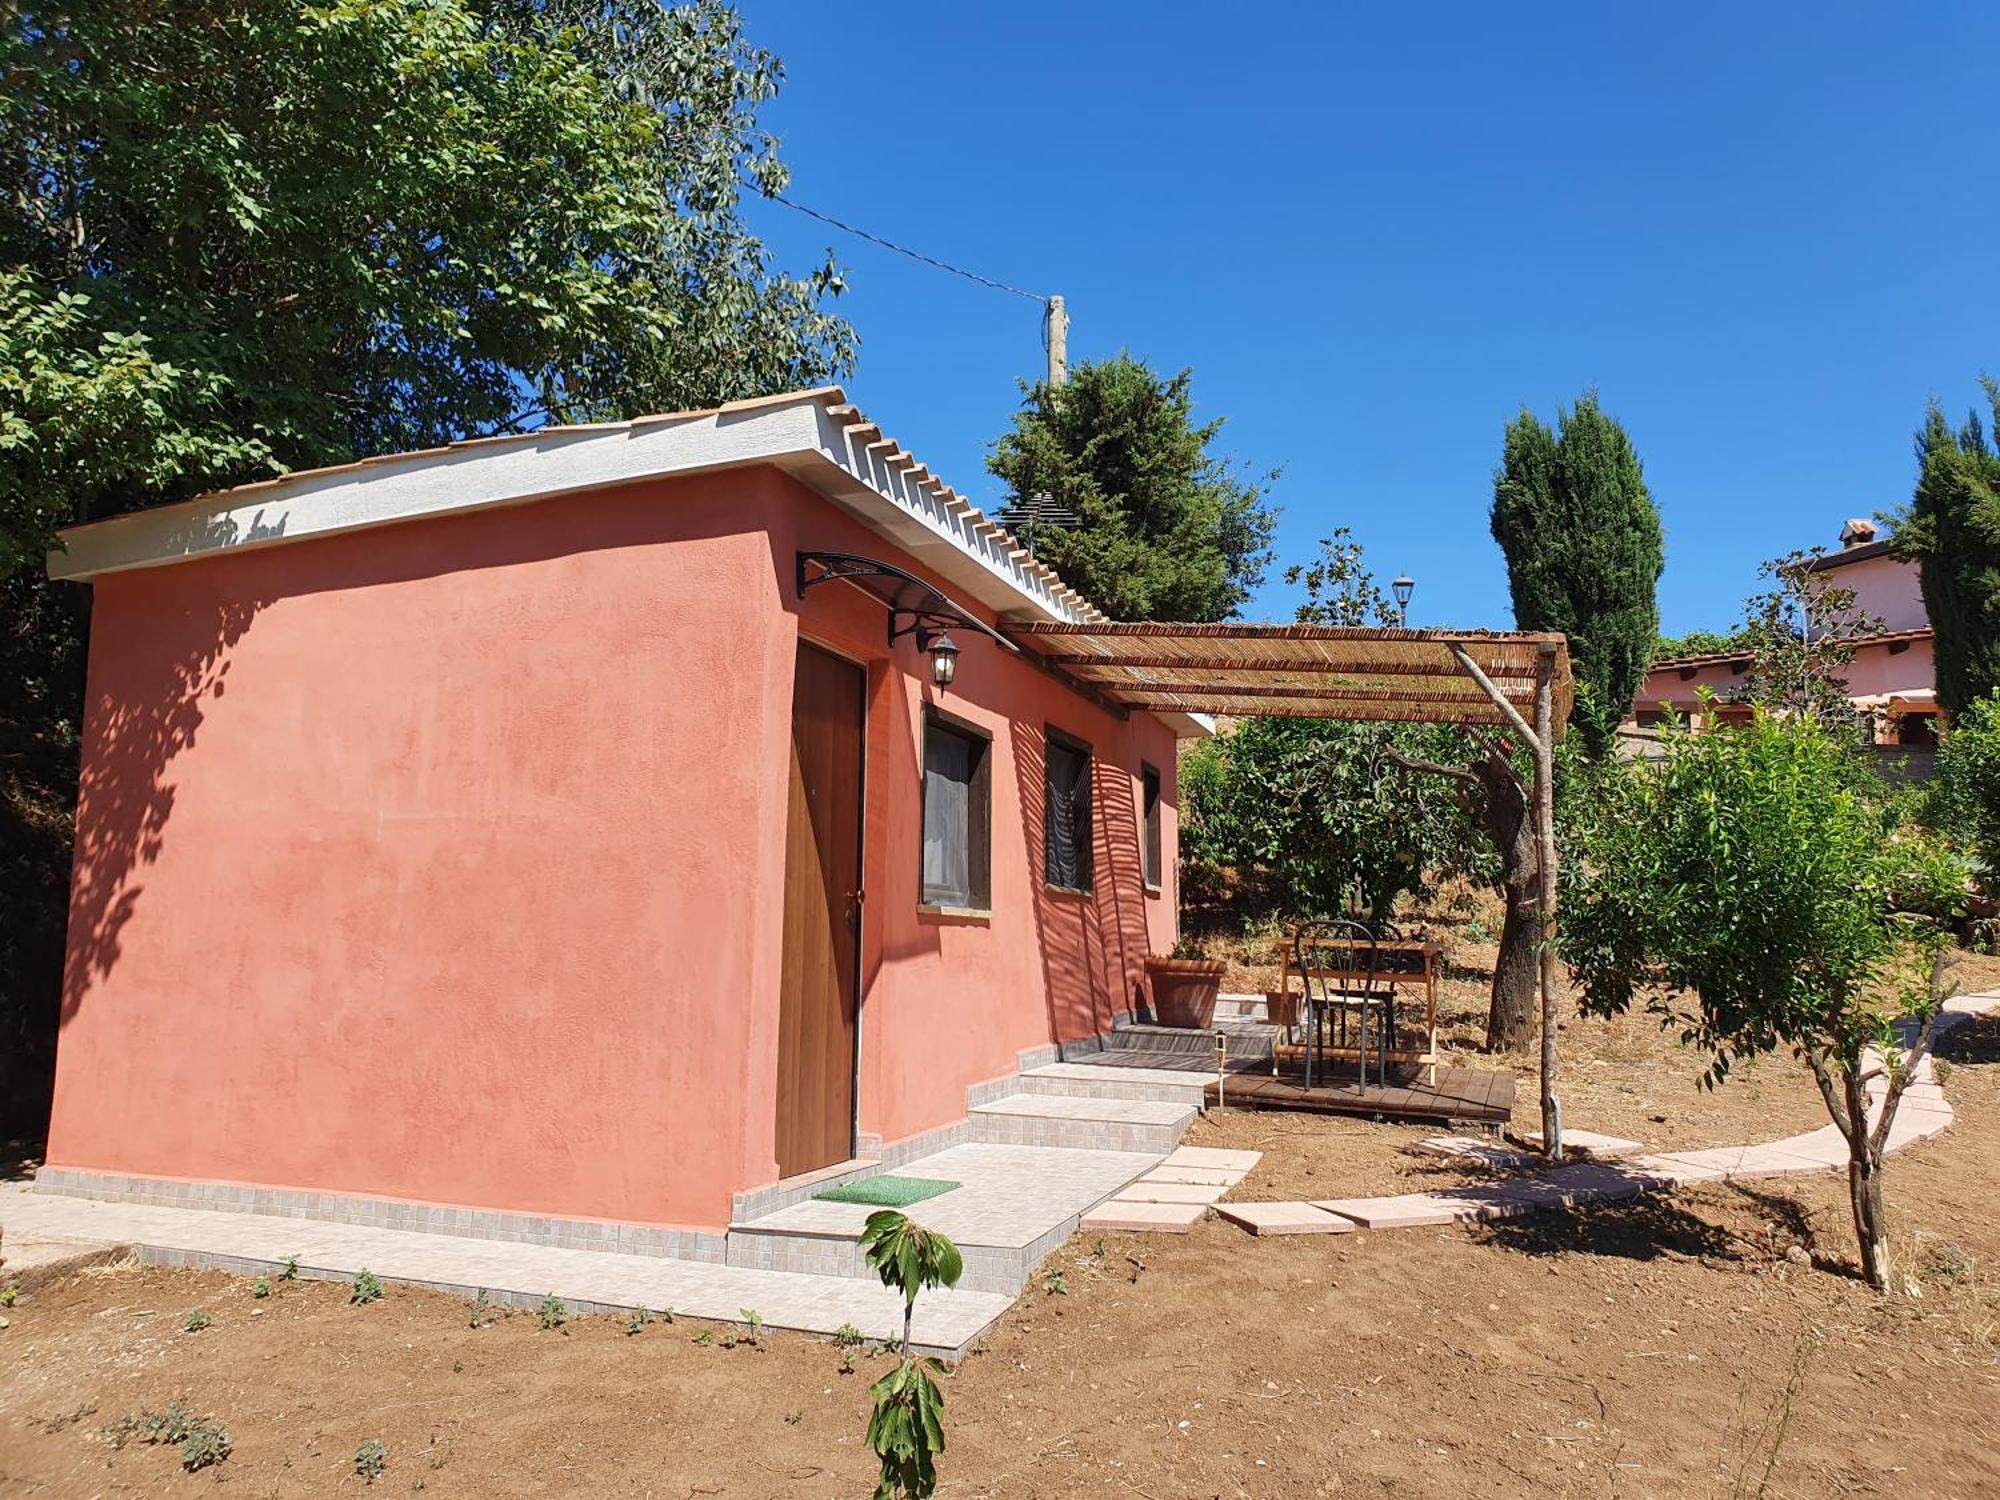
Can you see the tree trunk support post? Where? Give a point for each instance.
(1541, 741)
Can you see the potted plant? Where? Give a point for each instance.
(1185, 986)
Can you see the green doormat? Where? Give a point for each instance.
(887, 1191)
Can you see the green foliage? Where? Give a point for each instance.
(636, 1324)
(1797, 633)
(552, 1313)
(1313, 813)
(755, 1336)
(1964, 791)
(1952, 531)
(1167, 530)
(261, 1287)
(1584, 553)
(1746, 892)
(194, 1320)
(204, 1445)
(9, 1296)
(371, 1459)
(482, 1312)
(907, 1427)
(290, 1270)
(1696, 643)
(365, 1288)
(908, 1257)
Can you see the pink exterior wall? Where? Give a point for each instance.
(444, 861)
(1883, 587)
(1876, 670)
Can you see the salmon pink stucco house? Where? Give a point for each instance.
(1891, 680)
(597, 824)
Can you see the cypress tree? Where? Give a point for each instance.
(1165, 528)
(1952, 531)
(1584, 553)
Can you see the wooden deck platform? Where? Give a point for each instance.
(1469, 1096)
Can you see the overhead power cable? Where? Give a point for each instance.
(876, 239)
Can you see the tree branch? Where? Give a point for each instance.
(1428, 767)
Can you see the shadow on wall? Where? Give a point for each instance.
(1093, 945)
(147, 711)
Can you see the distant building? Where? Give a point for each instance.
(1892, 679)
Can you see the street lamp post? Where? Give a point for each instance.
(1402, 586)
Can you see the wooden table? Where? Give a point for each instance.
(1407, 959)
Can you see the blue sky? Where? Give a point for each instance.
(1765, 234)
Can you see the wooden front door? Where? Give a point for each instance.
(816, 1007)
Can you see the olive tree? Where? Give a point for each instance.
(1744, 889)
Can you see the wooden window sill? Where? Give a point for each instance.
(970, 916)
(1153, 888)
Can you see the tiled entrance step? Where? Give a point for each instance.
(1063, 1121)
(1095, 1081)
(1014, 1204)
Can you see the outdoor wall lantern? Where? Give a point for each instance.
(943, 652)
(1402, 587)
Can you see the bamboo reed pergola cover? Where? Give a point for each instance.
(1518, 679)
(1310, 671)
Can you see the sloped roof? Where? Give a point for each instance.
(818, 436)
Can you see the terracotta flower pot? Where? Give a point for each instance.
(1184, 991)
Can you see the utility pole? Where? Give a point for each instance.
(1057, 330)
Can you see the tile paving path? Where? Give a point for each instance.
(1922, 1113)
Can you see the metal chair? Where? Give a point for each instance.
(1340, 968)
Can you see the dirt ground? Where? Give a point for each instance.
(1668, 1348)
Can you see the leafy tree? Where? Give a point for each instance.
(1952, 531)
(1741, 890)
(1166, 529)
(1963, 797)
(907, 1428)
(1314, 814)
(240, 238)
(1584, 553)
(1798, 633)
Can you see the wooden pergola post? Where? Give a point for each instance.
(1541, 741)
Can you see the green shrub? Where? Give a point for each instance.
(907, 1428)
(1964, 789)
(365, 1288)
(194, 1320)
(553, 1313)
(204, 1445)
(261, 1287)
(370, 1460)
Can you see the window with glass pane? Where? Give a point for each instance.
(957, 812)
(1066, 814)
(1149, 847)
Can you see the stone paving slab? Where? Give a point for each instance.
(1473, 1149)
(1590, 1142)
(946, 1321)
(1159, 1218)
(1285, 1218)
(1170, 1192)
(1212, 1176)
(1213, 1156)
(1194, 1083)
